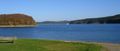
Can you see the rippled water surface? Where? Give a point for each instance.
(73, 32)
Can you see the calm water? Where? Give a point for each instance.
(82, 32)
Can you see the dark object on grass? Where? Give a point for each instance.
(7, 39)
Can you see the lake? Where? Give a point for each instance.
(74, 32)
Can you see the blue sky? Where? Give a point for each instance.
(56, 10)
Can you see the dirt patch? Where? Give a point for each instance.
(110, 47)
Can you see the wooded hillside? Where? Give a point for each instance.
(115, 19)
(16, 19)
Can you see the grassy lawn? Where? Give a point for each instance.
(47, 45)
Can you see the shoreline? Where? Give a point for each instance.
(17, 26)
(93, 42)
(80, 41)
(89, 42)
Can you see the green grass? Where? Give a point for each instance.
(47, 45)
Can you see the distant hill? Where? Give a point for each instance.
(16, 19)
(103, 20)
(54, 22)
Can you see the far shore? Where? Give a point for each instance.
(17, 25)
